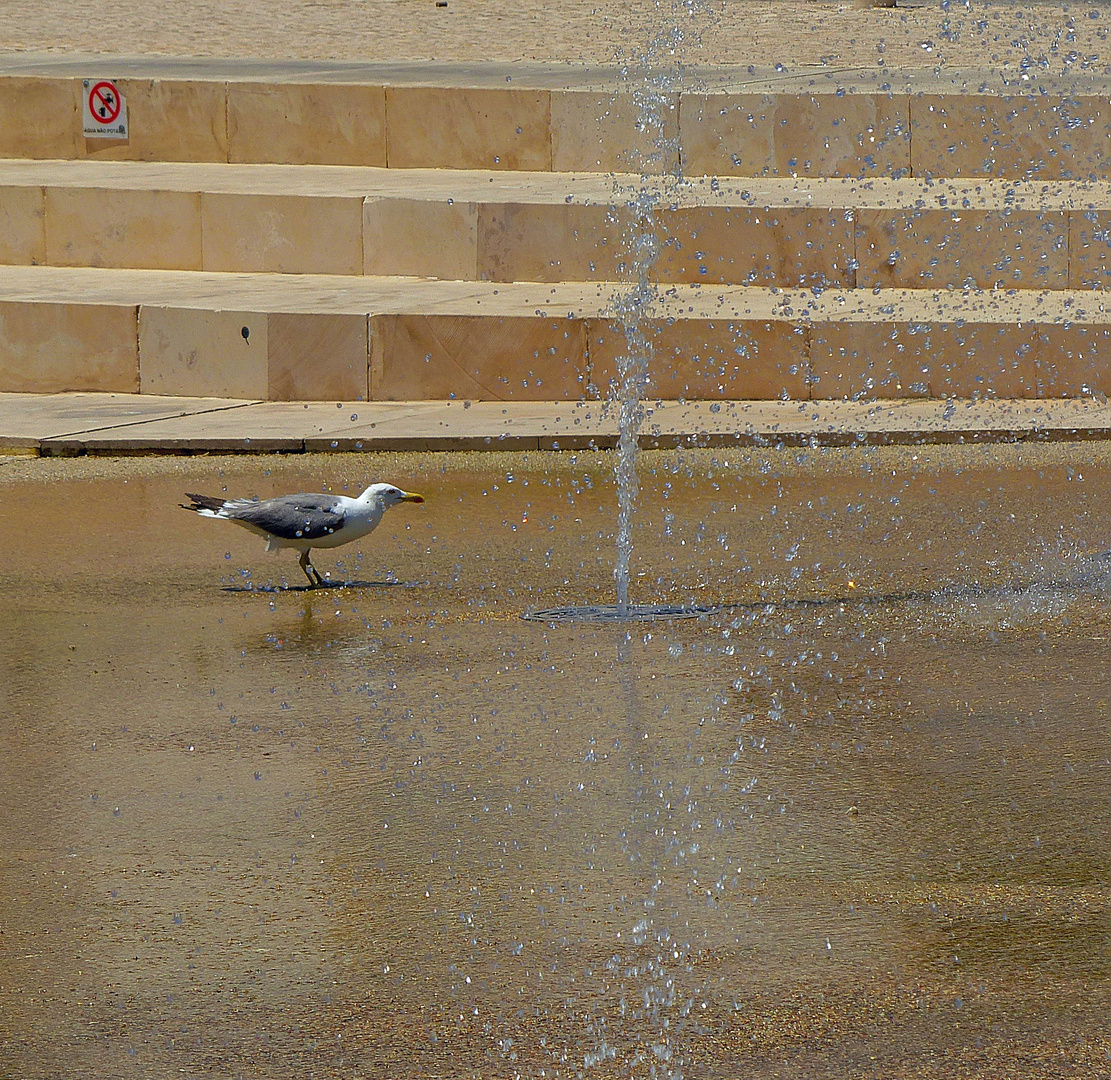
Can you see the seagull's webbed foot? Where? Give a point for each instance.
(315, 580)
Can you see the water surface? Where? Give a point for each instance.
(856, 824)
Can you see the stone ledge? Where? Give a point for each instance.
(349, 295)
(864, 124)
(283, 337)
(563, 187)
(51, 425)
(562, 75)
(552, 227)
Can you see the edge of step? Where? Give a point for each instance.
(305, 338)
(562, 75)
(726, 121)
(76, 424)
(542, 188)
(269, 293)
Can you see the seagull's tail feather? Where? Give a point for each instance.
(207, 505)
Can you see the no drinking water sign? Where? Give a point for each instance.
(104, 111)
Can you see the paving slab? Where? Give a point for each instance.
(70, 424)
(26, 420)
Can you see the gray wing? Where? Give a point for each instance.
(291, 517)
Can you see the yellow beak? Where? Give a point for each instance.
(412, 496)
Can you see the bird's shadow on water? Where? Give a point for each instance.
(326, 587)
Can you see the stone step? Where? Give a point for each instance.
(314, 337)
(550, 227)
(71, 424)
(740, 121)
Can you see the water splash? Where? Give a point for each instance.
(1050, 585)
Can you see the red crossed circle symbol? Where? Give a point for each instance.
(104, 103)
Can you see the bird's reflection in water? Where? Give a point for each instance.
(304, 632)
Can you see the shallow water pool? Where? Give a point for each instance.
(855, 823)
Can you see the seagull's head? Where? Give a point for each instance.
(387, 495)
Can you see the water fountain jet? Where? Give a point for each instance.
(637, 207)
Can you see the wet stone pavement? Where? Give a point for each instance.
(855, 824)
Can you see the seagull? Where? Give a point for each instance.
(306, 521)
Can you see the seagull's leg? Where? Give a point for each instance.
(310, 571)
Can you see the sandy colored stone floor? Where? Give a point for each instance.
(972, 33)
